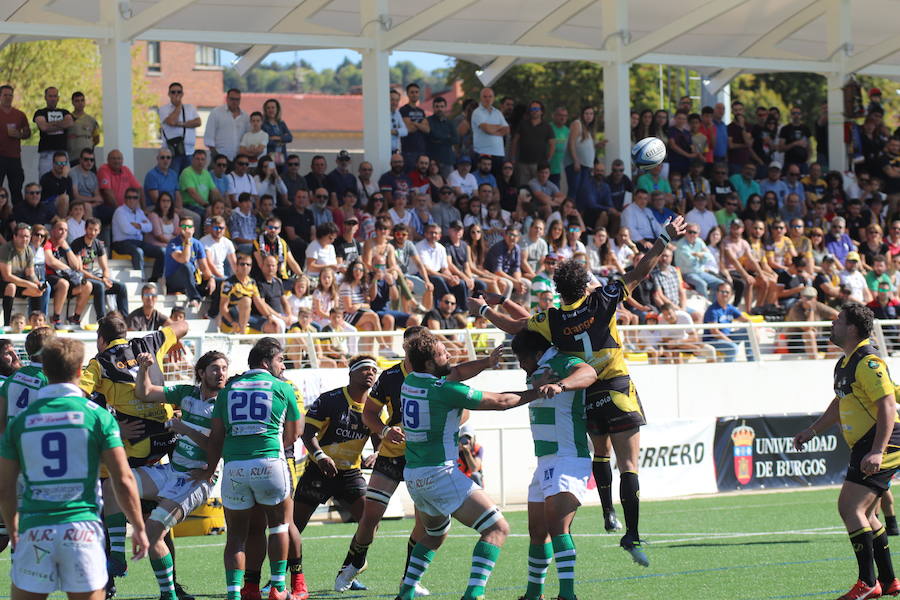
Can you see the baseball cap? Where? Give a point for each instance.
(467, 430)
(775, 165)
(464, 158)
(456, 224)
(351, 221)
(343, 155)
(553, 256)
(809, 292)
(852, 256)
(874, 92)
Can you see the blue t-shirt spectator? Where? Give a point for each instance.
(161, 182)
(839, 246)
(221, 183)
(594, 194)
(722, 314)
(198, 251)
(485, 178)
(501, 258)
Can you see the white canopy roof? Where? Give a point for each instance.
(719, 37)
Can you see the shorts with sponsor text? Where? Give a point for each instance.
(557, 474)
(438, 491)
(613, 405)
(314, 488)
(246, 483)
(70, 557)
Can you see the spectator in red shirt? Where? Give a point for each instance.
(114, 179)
(13, 129)
(421, 183)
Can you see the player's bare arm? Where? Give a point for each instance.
(9, 472)
(213, 451)
(884, 426)
(470, 369)
(830, 417)
(324, 462)
(674, 230)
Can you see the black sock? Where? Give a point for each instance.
(861, 540)
(882, 555)
(603, 476)
(890, 521)
(359, 553)
(7, 309)
(410, 544)
(630, 497)
(55, 317)
(295, 566)
(252, 577)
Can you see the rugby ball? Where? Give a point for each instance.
(648, 153)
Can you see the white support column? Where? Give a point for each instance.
(838, 20)
(616, 84)
(117, 106)
(376, 87)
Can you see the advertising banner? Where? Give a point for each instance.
(758, 452)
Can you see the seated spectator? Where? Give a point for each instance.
(395, 180)
(444, 316)
(300, 297)
(339, 348)
(601, 258)
(793, 208)
(726, 339)
(471, 455)
(325, 297)
(460, 263)
(461, 180)
(36, 319)
(17, 323)
(162, 178)
(793, 281)
(745, 183)
(504, 261)
(56, 185)
(270, 243)
(546, 194)
(669, 288)
(321, 254)
(878, 273)
(355, 292)
(852, 278)
(115, 180)
(197, 185)
(885, 307)
(296, 350)
(129, 224)
(658, 206)
(17, 271)
(31, 211)
(85, 185)
(238, 297)
(75, 220)
(728, 212)
(804, 340)
(873, 245)
(219, 174)
(63, 274)
(146, 318)
(420, 183)
(773, 183)
(163, 220)
(268, 181)
(298, 224)
(91, 252)
(186, 266)
(220, 252)
(701, 215)
(828, 282)
(780, 250)
(271, 290)
(412, 267)
(242, 224)
(444, 212)
(678, 341)
(837, 242)
(433, 258)
(654, 180)
(495, 222)
(347, 248)
(347, 209)
(265, 209)
(383, 292)
(639, 220)
(698, 267)
(543, 282)
(240, 180)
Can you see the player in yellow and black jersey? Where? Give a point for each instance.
(335, 436)
(585, 326)
(865, 406)
(382, 415)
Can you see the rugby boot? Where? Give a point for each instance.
(347, 575)
(421, 591)
(181, 593)
(358, 586)
(611, 522)
(890, 589)
(863, 591)
(276, 595)
(890, 526)
(298, 587)
(250, 591)
(635, 549)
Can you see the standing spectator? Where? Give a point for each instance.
(340, 180)
(532, 144)
(740, 145)
(889, 170)
(581, 151)
(162, 178)
(504, 261)
(793, 140)
(226, 125)
(147, 318)
(279, 133)
(726, 339)
(129, 224)
(85, 131)
(197, 186)
(365, 186)
(52, 122)
(179, 123)
(560, 144)
(681, 146)
(56, 185)
(13, 129)
(620, 185)
(185, 256)
(417, 126)
(488, 128)
(442, 136)
(91, 251)
(471, 455)
(398, 126)
(720, 147)
(115, 180)
(17, 271)
(164, 220)
(85, 186)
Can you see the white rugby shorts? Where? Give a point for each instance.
(246, 483)
(557, 474)
(70, 557)
(438, 491)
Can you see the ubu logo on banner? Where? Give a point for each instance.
(743, 437)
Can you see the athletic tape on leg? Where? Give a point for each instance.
(440, 530)
(487, 519)
(163, 516)
(378, 496)
(283, 528)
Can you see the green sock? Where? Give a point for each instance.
(116, 525)
(278, 569)
(539, 557)
(564, 555)
(484, 557)
(419, 560)
(234, 579)
(164, 571)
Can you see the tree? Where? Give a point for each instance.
(73, 65)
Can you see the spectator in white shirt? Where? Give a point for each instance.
(254, 141)
(320, 252)
(240, 180)
(461, 180)
(488, 129)
(433, 256)
(226, 126)
(179, 120)
(640, 220)
(398, 127)
(129, 224)
(701, 215)
(219, 249)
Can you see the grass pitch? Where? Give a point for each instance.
(739, 547)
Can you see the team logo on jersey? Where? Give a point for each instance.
(540, 317)
(873, 364)
(743, 437)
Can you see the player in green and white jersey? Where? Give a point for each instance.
(254, 419)
(9, 364)
(20, 388)
(57, 444)
(559, 485)
(177, 494)
(432, 407)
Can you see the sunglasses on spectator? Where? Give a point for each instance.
(293, 164)
(87, 159)
(322, 196)
(242, 163)
(449, 301)
(217, 228)
(33, 192)
(60, 163)
(244, 264)
(618, 170)
(164, 157)
(176, 92)
(186, 226)
(3, 196)
(273, 227)
(131, 197)
(692, 231)
(224, 165)
(796, 226)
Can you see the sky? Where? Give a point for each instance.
(323, 59)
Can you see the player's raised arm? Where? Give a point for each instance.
(673, 230)
(582, 376)
(127, 496)
(470, 369)
(512, 323)
(144, 390)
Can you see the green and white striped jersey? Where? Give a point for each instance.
(558, 423)
(431, 411)
(21, 388)
(196, 413)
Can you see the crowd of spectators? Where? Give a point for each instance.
(489, 199)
